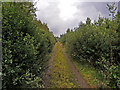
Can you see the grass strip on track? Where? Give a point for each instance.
(61, 75)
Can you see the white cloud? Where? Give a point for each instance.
(62, 14)
(67, 9)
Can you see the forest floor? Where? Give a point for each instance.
(61, 72)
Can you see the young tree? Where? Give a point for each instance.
(112, 10)
(88, 21)
(68, 30)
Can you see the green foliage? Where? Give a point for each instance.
(26, 44)
(91, 43)
(112, 9)
(114, 81)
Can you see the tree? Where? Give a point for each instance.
(100, 21)
(88, 21)
(112, 10)
(68, 30)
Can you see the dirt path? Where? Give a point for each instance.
(46, 75)
(81, 82)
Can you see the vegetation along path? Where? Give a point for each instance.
(61, 72)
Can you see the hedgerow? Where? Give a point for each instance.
(98, 44)
(26, 44)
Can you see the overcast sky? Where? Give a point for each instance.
(62, 14)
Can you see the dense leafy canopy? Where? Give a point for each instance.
(26, 44)
(93, 43)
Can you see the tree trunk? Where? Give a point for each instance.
(111, 57)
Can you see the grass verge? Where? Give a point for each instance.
(90, 74)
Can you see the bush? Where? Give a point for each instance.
(92, 42)
(26, 44)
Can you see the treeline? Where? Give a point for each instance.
(26, 44)
(98, 44)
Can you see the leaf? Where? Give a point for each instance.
(115, 76)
